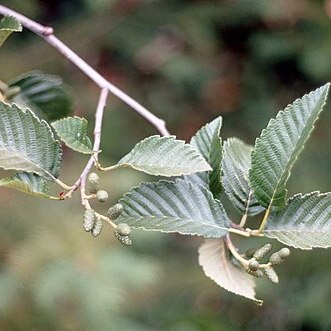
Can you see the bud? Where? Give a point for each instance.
(89, 219)
(102, 195)
(123, 229)
(271, 274)
(262, 252)
(253, 265)
(93, 182)
(115, 211)
(97, 228)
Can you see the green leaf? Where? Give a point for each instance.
(8, 24)
(208, 142)
(72, 131)
(216, 264)
(28, 183)
(280, 144)
(27, 144)
(235, 164)
(179, 206)
(305, 222)
(44, 94)
(164, 156)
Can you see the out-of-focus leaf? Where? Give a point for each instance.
(305, 223)
(8, 25)
(235, 164)
(28, 183)
(72, 131)
(44, 94)
(208, 142)
(179, 206)
(280, 144)
(27, 144)
(215, 262)
(164, 156)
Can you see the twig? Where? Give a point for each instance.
(46, 33)
(81, 181)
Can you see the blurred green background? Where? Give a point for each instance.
(188, 62)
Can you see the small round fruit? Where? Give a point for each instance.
(102, 195)
(115, 211)
(123, 229)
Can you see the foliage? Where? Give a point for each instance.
(264, 53)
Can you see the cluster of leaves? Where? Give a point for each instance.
(253, 177)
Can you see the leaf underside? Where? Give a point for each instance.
(235, 164)
(8, 24)
(179, 206)
(164, 156)
(73, 132)
(208, 142)
(305, 223)
(44, 94)
(279, 146)
(214, 259)
(27, 144)
(28, 183)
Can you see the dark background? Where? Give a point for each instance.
(188, 62)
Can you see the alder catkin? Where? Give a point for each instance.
(93, 182)
(97, 228)
(262, 252)
(271, 274)
(253, 264)
(115, 211)
(125, 240)
(89, 219)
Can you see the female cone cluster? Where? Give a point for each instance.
(256, 269)
(93, 221)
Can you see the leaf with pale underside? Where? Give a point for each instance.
(8, 25)
(164, 156)
(280, 144)
(208, 142)
(73, 132)
(45, 94)
(236, 164)
(27, 144)
(305, 223)
(216, 264)
(28, 183)
(179, 206)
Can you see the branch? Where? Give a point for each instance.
(81, 181)
(46, 33)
